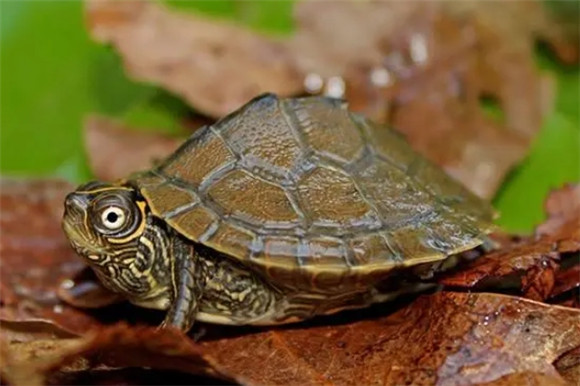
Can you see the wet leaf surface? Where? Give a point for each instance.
(464, 71)
(449, 337)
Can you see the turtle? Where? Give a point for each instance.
(285, 209)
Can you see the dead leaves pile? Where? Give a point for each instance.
(424, 67)
(450, 337)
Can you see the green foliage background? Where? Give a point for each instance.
(51, 75)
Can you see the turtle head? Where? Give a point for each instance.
(103, 223)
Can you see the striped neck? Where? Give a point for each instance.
(140, 270)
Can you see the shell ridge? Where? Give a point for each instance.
(294, 124)
(316, 229)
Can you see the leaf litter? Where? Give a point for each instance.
(105, 139)
(432, 70)
(449, 337)
(58, 322)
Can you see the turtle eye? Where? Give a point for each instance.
(115, 214)
(113, 217)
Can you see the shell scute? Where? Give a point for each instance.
(332, 200)
(371, 249)
(169, 198)
(327, 130)
(311, 194)
(233, 240)
(397, 197)
(262, 136)
(325, 252)
(198, 158)
(242, 195)
(195, 222)
(281, 250)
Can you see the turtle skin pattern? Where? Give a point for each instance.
(289, 185)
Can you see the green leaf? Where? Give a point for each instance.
(53, 75)
(273, 17)
(553, 161)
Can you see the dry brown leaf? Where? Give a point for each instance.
(35, 254)
(567, 280)
(114, 151)
(533, 264)
(215, 66)
(432, 67)
(424, 67)
(449, 338)
(563, 209)
(528, 379)
(26, 364)
(464, 339)
(568, 366)
(84, 290)
(30, 349)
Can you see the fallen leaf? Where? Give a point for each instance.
(84, 290)
(568, 366)
(567, 280)
(215, 66)
(122, 345)
(527, 379)
(414, 65)
(114, 151)
(28, 330)
(431, 71)
(27, 363)
(563, 209)
(532, 265)
(34, 253)
(465, 338)
(130, 376)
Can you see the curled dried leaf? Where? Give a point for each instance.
(464, 339)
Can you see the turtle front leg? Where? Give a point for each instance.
(186, 288)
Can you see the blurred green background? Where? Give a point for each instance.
(52, 75)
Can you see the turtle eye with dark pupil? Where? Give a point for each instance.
(112, 217)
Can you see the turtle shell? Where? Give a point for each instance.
(289, 185)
